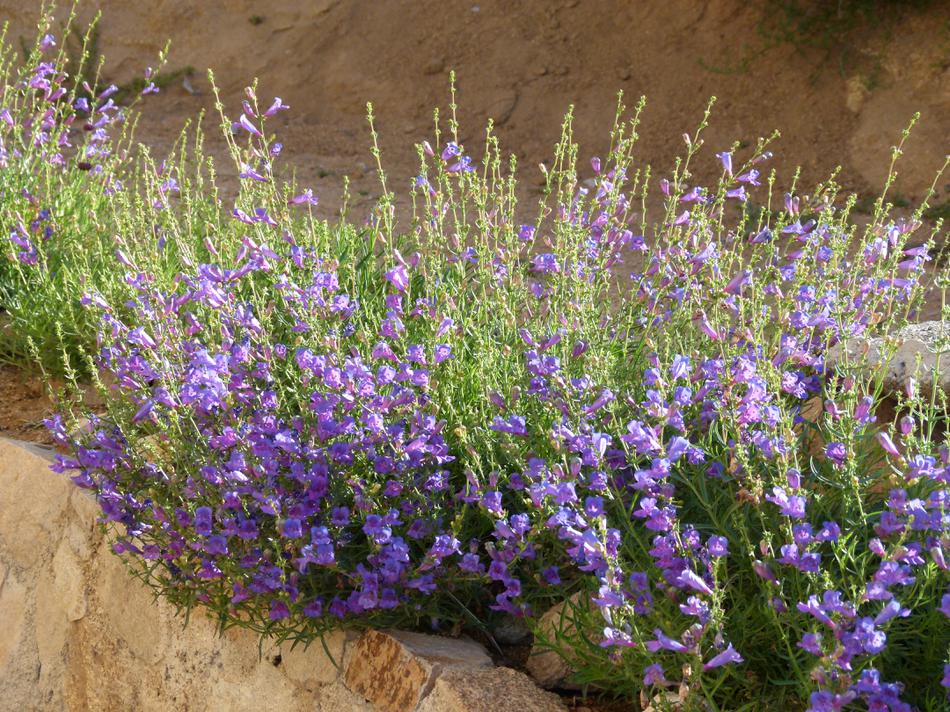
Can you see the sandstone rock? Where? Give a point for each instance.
(394, 670)
(78, 632)
(13, 608)
(130, 606)
(308, 669)
(492, 689)
(898, 356)
(548, 666)
(68, 580)
(26, 485)
(338, 698)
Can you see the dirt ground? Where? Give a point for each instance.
(840, 80)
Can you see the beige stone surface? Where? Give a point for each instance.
(549, 666)
(338, 698)
(910, 354)
(489, 690)
(78, 633)
(395, 670)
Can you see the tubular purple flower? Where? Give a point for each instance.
(124, 260)
(653, 675)
(791, 204)
(889, 447)
(738, 282)
(763, 571)
(837, 453)
(276, 105)
(249, 127)
(305, 198)
(726, 657)
(399, 278)
(752, 177)
(718, 546)
(706, 327)
(726, 159)
(249, 172)
(692, 580)
(664, 642)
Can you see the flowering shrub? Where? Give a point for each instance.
(59, 164)
(312, 425)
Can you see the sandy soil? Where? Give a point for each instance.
(23, 406)
(839, 85)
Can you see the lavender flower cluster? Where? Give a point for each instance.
(332, 426)
(65, 153)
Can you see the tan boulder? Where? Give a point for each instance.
(80, 633)
(489, 690)
(549, 663)
(395, 670)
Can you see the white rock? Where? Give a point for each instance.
(909, 354)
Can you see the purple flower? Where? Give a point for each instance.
(718, 546)
(305, 198)
(545, 263)
(791, 505)
(837, 453)
(203, 521)
(513, 425)
(654, 675)
(811, 642)
(291, 529)
(664, 642)
(276, 106)
(690, 579)
(279, 611)
(399, 278)
(249, 127)
(726, 159)
(726, 657)
(885, 440)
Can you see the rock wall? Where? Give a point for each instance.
(77, 632)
